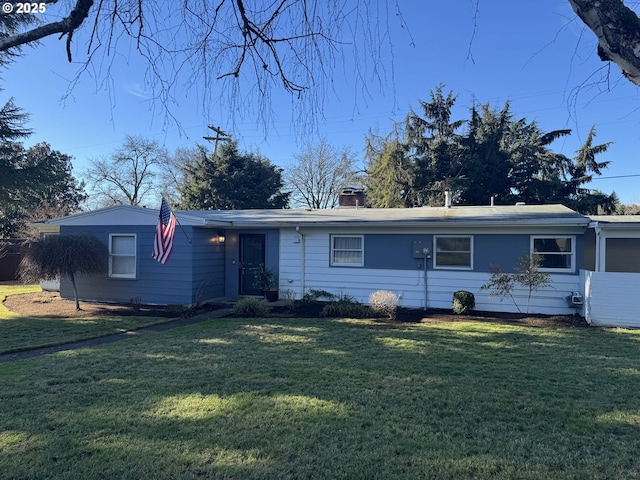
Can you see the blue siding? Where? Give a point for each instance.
(395, 251)
(154, 283)
(208, 265)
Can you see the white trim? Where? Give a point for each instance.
(450, 267)
(572, 254)
(344, 264)
(135, 256)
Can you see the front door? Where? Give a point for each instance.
(251, 256)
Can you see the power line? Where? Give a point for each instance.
(616, 176)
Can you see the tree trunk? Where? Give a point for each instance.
(617, 28)
(75, 291)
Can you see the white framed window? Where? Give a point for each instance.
(122, 255)
(347, 250)
(557, 253)
(453, 251)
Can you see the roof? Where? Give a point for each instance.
(631, 219)
(499, 215)
(625, 222)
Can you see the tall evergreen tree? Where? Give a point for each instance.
(582, 170)
(390, 175)
(433, 144)
(13, 177)
(496, 157)
(35, 183)
(537, 173)
(50, 189)
(231, 180)
(485, 160)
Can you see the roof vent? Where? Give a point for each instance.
(447, 199)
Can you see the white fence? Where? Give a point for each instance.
(611, 299)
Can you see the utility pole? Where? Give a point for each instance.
(220, 135)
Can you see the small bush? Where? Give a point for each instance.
(251, 307)
(463, 302)
(313, 295)
(384, 303)
(344, 306)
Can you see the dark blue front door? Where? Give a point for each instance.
(251, 256)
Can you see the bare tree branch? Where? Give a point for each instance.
(66, 26)
(617, 29)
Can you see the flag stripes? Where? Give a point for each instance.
(165, 230)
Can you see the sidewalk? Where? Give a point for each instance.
(116, 337)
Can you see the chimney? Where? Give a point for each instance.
(352, 198)
(447, 199)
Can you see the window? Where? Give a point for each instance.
(556, 254)
(347, 250)
(453, 252)
(122, 255)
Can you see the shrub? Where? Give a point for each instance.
(463, 302)
(314, 295)
(251, 307)
(344, 306)
(384, 302)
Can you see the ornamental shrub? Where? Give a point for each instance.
(384, 303)
(344, 306)
(251, 307)
(463, 302)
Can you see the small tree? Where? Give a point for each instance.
(527, 275)
(65, 256)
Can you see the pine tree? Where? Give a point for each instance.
(232, 180)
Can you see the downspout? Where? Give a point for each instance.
(598, 232)
(427, 256)
(304, 263)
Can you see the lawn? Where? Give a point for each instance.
(339, 399)
(19, 332)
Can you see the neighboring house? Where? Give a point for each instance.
(421, 254)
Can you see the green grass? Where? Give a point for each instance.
(13, 289)
(319, 399)
(22, 333)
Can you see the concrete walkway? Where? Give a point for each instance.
(116, 337)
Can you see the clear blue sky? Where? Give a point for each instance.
(535, 54)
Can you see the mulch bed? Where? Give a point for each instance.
(49, 304)
(412, 315)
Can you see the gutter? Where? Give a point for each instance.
(598, 230)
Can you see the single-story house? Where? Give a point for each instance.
(421, 254)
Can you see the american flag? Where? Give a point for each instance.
(163, 243)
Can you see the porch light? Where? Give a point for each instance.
(221, 237)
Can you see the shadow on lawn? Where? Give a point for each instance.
(309, 398)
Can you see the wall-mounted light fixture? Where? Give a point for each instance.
(221, 236)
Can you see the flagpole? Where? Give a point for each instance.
(179, 224)
(185, 233)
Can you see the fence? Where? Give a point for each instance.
(11, 253)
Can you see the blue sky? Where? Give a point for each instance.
(537, 55)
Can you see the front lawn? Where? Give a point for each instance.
(22, 332)
(339, 399)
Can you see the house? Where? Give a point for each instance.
(422, 254)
